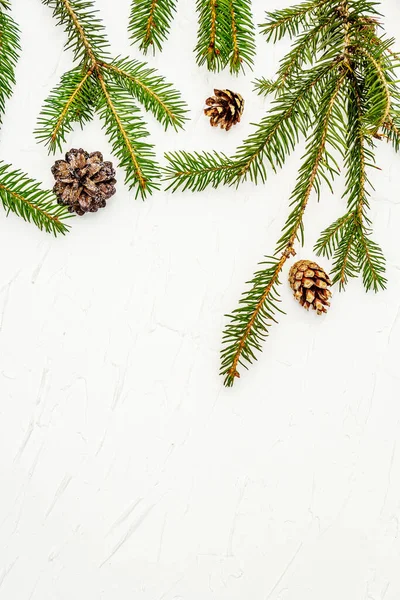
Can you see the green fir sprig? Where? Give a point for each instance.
(225, 37)
(337, 88)
(23, 196)
(112, 88)
(150, 22)
(18, 192)
(9, 52)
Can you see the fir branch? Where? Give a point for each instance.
(332, 236)
(317, 160)
(225, 34)
(379, 100)
(109, 87)
(303, 51)
(23, 196)
(197, 171)
(249, 324)
(18, 192)
(126, 131)
(151, 90)
(372, 263)
(278, 133)
(243, 48)
(289, 21)
(274, 139)
(85, 31)
(212, 48)
(345, 259)
(370, 257)
(348, 240)
(69, 103)
(9, 52)
(264, 86)
(339, 81)
(150, 22)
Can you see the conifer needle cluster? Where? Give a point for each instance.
(9, 51)
(18, 192)
(225, 30)
(111, 87)
(336, 88)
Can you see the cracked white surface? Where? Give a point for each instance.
(128, 472)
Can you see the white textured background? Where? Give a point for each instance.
(127, 471)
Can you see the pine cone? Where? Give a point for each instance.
(310, 285)
(83, 181)
(225, 109)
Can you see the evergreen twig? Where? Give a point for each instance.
(225, 34)
(9, 52)
(18, 192)
(150, 22)
(242, 44)
(212, 47)
(336, 87)
(110, 87)
(23, 196)
(151, 90)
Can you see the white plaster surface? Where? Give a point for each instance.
(127, 471)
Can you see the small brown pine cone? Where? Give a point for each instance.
(83, 181)
(310, 284)
(224, 109)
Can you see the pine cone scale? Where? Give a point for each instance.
(90, 187)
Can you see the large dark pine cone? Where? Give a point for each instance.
(83, 181)
(310, 285)
(225, 109)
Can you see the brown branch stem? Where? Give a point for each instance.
(235, 50)
(150, 23)
(213, 28)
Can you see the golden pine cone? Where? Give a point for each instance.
(310, 284)
(225, 109)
